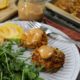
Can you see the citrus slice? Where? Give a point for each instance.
(11, 31)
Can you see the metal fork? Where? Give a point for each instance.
(52, 34)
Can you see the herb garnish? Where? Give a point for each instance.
(12, 68)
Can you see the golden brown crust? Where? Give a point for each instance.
(54, 63)
(66, 5)
(37, 43)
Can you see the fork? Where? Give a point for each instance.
(53, 35)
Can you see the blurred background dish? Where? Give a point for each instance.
(70, 6)
(66, 11)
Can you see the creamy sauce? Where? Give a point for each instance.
(45, 51)
(34, 35)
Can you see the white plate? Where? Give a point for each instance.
(71, 66)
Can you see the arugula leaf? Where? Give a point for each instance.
(12, 68)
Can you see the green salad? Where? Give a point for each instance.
(13, 68)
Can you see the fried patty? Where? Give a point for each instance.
(34, 38)
(53, 63)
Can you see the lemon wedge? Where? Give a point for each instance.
(4, 4)
(11, 31)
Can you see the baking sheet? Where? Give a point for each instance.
(62, 12)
